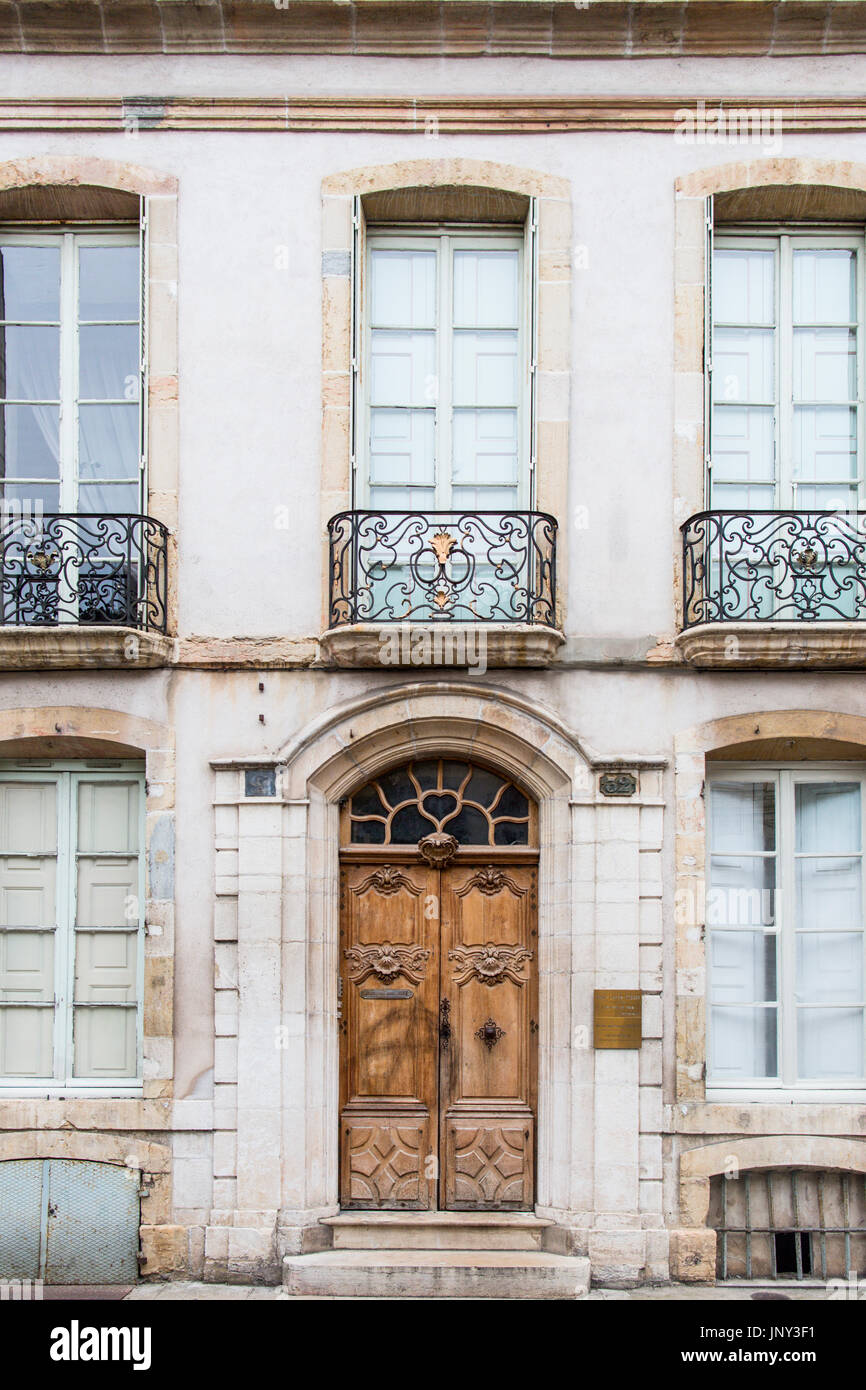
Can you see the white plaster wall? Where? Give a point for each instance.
(250, 332)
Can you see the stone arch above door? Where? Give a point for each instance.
(356, 740)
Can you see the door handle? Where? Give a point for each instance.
(444, 1022)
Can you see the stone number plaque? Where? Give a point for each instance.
(616, 1018)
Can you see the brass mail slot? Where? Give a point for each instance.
(387, 993)
(616, 1018)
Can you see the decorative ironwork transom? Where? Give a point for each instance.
(476, 806)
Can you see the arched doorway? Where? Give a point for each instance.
(439, 990)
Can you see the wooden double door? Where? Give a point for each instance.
(439, 1033)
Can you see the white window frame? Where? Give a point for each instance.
(71, 237)
(68, 775)
(781, 239)
(785, 1087)
(443, 238)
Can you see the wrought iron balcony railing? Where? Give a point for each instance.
(67, 568)
(474, 567)
(793, 567)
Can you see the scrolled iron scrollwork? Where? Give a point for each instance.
(774, 567)
(60, 567)
(442, 566)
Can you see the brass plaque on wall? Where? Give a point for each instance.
(616, 1018)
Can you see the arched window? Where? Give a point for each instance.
(475, 805)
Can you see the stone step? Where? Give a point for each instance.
(436, 1230)
(436, 1274)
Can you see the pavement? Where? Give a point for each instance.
(191, 1291)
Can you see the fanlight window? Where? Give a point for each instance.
(476, 806)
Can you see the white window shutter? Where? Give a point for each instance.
(28, 888)
(708, 352)
(356, 291)
(144, 272)
(532, 264)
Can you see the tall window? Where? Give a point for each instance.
(787, 421)
(71, 366)
(784, 917)
(71, 926)
(445, 415)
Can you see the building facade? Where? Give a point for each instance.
(433, 634)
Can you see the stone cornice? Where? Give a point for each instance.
(457, 28)
(453, 115)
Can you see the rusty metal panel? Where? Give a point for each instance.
(21, 1218)
(92, 1223)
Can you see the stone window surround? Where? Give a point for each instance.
(79, 646)
(751, 644)
(553, 325)
(276, 952)
(775, 1127)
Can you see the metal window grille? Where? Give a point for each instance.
(789, 1224)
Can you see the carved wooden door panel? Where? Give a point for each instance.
(488, 1069)
(438, 1036)
(389, 938)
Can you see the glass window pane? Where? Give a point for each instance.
(741, 891)
(742, 967)
(740, 497)
(108, 363)
(26, 1043)
(402, 447)
(31, 497)
(743, 285)
(484, 444)
(743, 445)
(485, 368)
(401, 499)
(828, 893)
(825, 364)
(403, 288)
(30, 441)
(824, 443)
(31, 359)
(108, 441)
(742, 1044)
(30, 283)
(105, 1042)
(486, 286)
(403, 369)
(828, 817)
(830, 1044)
(825, 285)
(743, 365)
(102, 498)
(108, 283)
(829, 968)
(742, 816)
(27, 966)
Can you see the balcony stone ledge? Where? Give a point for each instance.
(72, 647)
(474, 646)
(776, 646)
